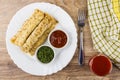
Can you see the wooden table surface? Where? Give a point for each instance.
(9, 71)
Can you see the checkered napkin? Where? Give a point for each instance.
(104, 21)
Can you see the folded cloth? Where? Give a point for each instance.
(104, 21)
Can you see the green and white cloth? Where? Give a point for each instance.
(104, 21)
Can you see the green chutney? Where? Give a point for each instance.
(45, 54)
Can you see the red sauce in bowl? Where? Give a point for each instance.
(100, 65)
(58, 39)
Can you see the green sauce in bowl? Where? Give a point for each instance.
(45, 54)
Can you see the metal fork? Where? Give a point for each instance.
(81, 24)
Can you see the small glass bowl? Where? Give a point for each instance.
(65, 43)
(36, 52)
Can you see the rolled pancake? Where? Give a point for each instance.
(42, 39)
(29, 25)
(37, 33)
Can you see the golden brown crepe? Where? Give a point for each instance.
(29, 25)
(42, 39)
(34, 31)
(38, 32)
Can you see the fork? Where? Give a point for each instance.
(81, 24)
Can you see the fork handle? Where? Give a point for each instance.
(81, 52)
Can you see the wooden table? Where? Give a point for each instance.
(9, 71)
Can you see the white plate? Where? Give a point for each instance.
(25, 62)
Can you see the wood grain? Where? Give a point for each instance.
(9, 71)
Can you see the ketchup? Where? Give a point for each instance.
(58, 38)
(100, 65)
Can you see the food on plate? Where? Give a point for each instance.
(34, 31)
(27, 28)
(58, 39)
(38, 32)
(45, 54)
(41, 39)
